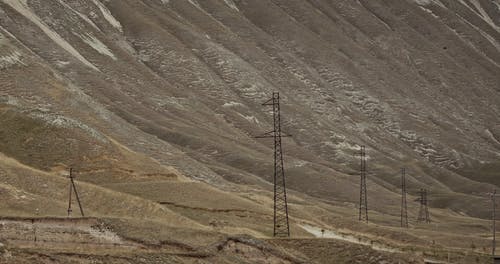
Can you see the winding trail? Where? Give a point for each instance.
(316, 231)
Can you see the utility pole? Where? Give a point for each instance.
(72, 187)
(363, 196)
(423, 215)
(404, 208)
(281, 225)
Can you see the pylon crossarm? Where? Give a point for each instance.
(269, 134)
(269, 102)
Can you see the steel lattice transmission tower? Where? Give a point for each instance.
(281, 226)
(494, 219)
(363, 196)
(404, 207)
(423, 215)
(72, 187)
(493, 223)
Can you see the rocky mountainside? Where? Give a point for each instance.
(159, 101)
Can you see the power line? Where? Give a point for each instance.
(281, 224)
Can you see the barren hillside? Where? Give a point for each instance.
(155, 105)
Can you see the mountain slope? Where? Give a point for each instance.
(138, 94)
